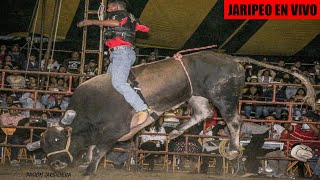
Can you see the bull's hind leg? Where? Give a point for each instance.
(201, 111)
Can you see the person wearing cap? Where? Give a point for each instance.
(121, 27)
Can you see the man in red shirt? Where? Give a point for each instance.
(294, 132)
(120, 34)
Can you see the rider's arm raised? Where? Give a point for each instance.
(108, 22)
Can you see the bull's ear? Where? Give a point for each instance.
(68, 131)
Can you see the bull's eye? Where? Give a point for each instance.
(56, 139)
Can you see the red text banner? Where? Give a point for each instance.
(272, 9)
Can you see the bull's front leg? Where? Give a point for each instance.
(234, 124)
(87, 158)
(97, 154)
(201, 111)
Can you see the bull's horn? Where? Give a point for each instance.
(68, 117)
(33, 146)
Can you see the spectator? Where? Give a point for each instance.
(12, 118)
(91, 69)
(53, 83)
(62, 69)
(298, 97)
(281, 63)
(292, 132)
(169, 121)
(152, 57)
(31, 65)
(8, 61)
(32, 83)
(61, 84)
(54, 117)
(105, 64)
(248, 73)
(277, 130)
(266, 76)
(153, 142)
(9, 99)
(22, 136)
(179, 145)
(252, 95)
(73, 63)
(52, 65)
(3, 52)
(284, 114)
(298, 65)
(286, 78)
(75, 82)
(315, 72)
(316, 170)
(143, 61)
(27, 101)
(55, 100)
(18, 58)
(292, 90)
(212, 146)
(16, 80)
(280, 97)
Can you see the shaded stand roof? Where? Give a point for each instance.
(181, 24)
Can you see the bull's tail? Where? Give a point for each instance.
(310, 96)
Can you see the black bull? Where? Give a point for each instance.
(103, 116)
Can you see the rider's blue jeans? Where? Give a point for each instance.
(121, 62)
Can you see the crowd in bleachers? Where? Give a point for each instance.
(257, 132)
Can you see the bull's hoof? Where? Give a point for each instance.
(232, 154)
(174, 134)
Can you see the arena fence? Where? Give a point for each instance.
(135, 151)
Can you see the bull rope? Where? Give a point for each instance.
(178, 57)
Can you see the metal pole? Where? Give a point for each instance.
(43, 13)
(84, 40)
(54, 23)
(101, 44)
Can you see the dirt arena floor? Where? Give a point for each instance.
(28, 171)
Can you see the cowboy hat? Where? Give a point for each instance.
(301, 152)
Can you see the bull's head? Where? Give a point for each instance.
(55, 142)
